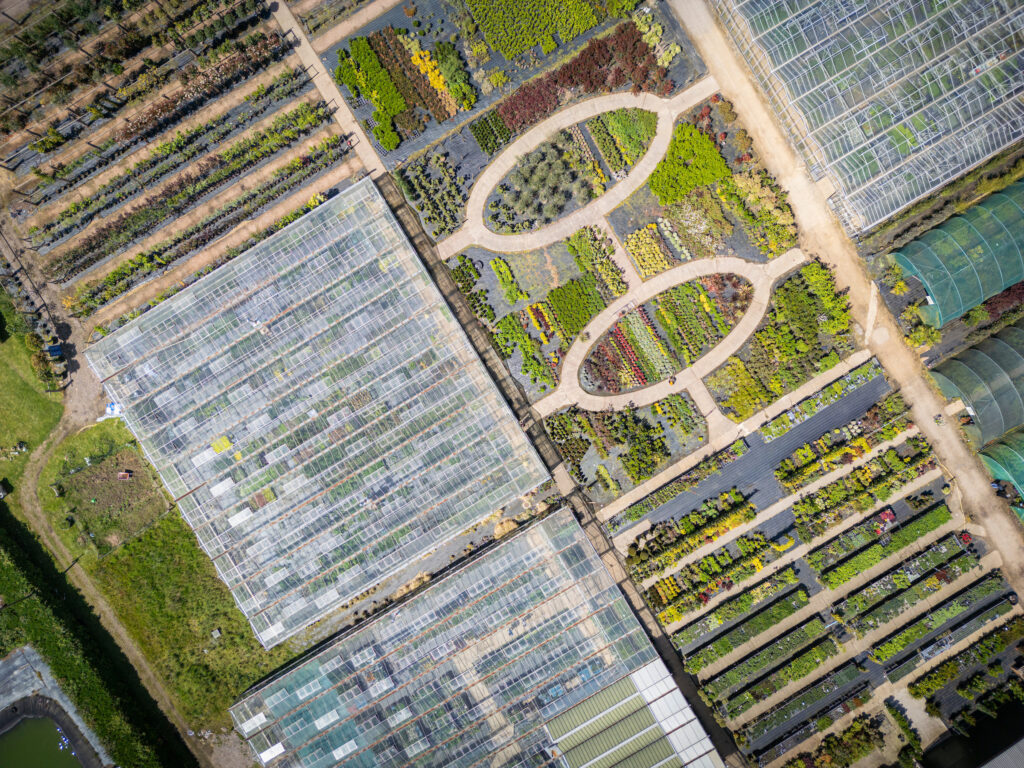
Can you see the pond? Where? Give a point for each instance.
(36, 742)
(987, 739)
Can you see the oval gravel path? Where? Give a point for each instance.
(761, 276)
(475, 231)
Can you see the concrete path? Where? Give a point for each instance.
(324, 83)
(723, 438)
(353, 23)
(821, 233)
(475, 231)
(761, 276)
(780, 506)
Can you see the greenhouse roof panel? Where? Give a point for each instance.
(891, 99)
(319, 414)
(527, 651)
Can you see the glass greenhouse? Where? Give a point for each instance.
(969, 258)
(989, 378)
(527, 656)
(1005, 460)
(318, 414)
(890, 99)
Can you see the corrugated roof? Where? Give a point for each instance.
(1011, 758)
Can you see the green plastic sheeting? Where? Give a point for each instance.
(969, 258)
(989, 378)
(1005, 460)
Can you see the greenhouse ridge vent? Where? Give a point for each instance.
(318, 414)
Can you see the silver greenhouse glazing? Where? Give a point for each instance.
(527, 656)
(318, 414)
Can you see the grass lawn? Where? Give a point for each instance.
(41, 608)
(27, 413)
(168, 596)
(146, 561)
(95, 512)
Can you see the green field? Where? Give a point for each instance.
(27, 414)
(41, 608)
(146, 561)
(92, 510)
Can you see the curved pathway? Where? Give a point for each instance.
(761, 276)
(475, 231)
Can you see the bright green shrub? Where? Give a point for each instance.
(692, 161)
(576, 303)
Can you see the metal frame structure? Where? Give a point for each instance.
(318, 414)
(969, 258)
(891, 100)
(527, 656)
(989, 379)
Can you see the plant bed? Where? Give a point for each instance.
(983, 651)
(557, 177)
(303, 169)
(169, 156)
(826, 396)
(685, 482)
(945, 640)
(805, 330)
(99, 331)
(906, 600)
(797, 668)
(934, 619)
(622, 137)
(811, 461)
(325, 15)
(202, 85)
(535, 304)
(432, 187)
(800, 702)
(743, 632)
(612, 451)
(782, 647)
(899, 578)
(699, 582)
(666, 334)
(873, 482)
(667, 542)
(842, 750)
(188, 189)
(735, 608)
(815, 723)
(902, 537)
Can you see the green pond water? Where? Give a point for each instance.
(35, 743)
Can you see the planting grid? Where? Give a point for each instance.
(792, 718)
(529, 649)
(890, 99)
(843, 683)
(438, 26)
(303, 401)
(753, 474)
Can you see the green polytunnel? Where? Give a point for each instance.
(969, 258)
(989, 378)
(1005, 460)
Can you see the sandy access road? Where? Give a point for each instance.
(821, 234)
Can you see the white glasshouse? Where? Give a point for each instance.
(317, 413)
